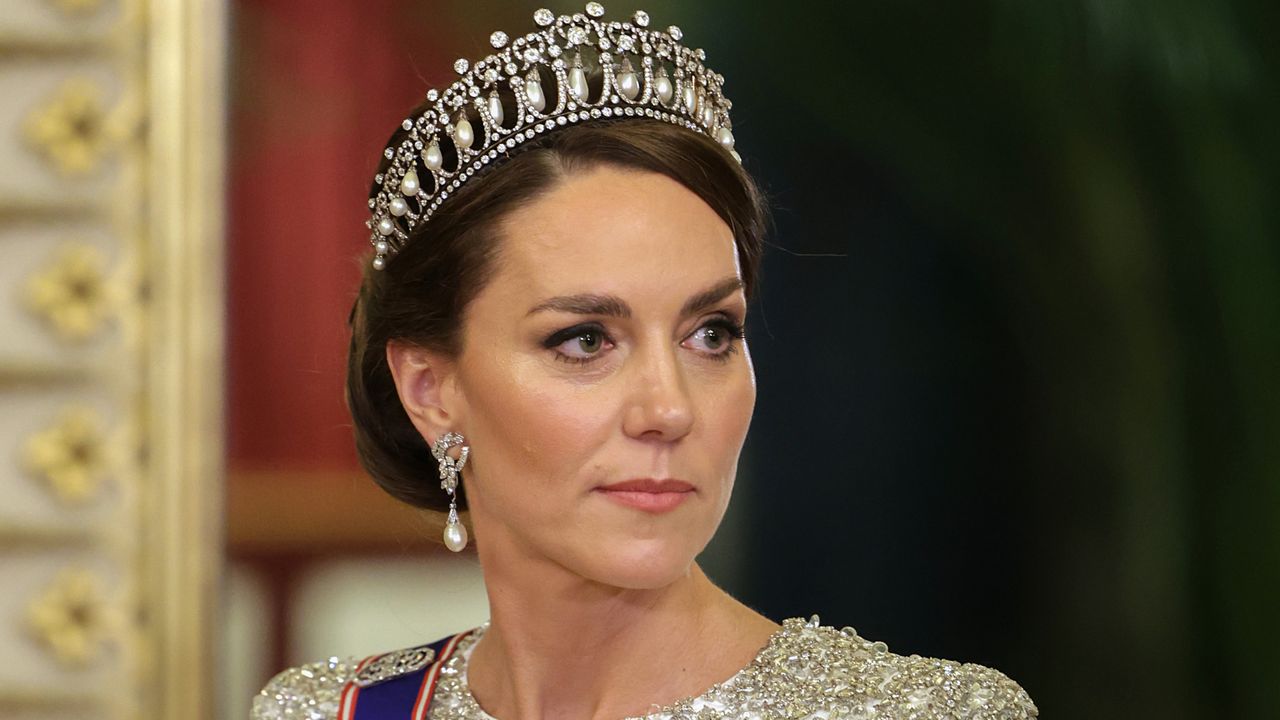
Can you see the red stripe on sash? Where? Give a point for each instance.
(347, 701)
(428, 689)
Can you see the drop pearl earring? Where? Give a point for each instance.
(455, 533)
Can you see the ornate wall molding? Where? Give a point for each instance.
(111, 306)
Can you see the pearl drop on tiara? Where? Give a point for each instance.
(644, 74)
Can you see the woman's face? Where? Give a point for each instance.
(604, 350)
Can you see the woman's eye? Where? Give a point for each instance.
(717, 336)
(578, 345)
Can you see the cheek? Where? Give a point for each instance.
(734, 432)
(729, 411)
(532, 425)
(746, 404)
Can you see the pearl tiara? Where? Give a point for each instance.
(646, 74)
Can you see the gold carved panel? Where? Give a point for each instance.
(111, 138)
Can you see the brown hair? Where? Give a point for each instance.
(422, 294)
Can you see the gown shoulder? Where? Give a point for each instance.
(825, 672)
(306, 692)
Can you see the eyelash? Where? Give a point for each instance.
(734, 330)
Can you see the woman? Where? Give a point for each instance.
(552, 325)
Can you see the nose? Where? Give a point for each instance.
(659, 406)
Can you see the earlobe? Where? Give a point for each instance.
(419, 377)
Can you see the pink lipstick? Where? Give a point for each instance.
(649, 495)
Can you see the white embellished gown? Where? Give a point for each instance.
(806, 672)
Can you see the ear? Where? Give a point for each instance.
(426, 384)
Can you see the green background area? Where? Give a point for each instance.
(1019, 335)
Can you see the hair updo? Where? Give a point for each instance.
(421, 295)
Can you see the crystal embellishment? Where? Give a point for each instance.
(595, 9)
(809, 671)
(543, 17)
(310, 691)
(449, 467)
(498, 39)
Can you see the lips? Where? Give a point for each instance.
(649, 485)
(648, 494)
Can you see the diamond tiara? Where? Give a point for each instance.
(645, 74)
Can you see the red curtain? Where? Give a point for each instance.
(316, 89)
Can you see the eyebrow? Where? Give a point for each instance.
(614, 306)
(584, 304)
(711, 296)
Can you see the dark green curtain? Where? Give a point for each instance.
(1019, 337)
(1097, 182)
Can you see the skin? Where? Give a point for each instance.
(598, 609)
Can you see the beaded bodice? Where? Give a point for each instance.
(807, 672)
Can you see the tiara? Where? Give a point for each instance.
(542, 78)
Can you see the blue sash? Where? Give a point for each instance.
(399, 695)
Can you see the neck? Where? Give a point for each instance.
(561, 646)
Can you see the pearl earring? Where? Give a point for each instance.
(455, 534)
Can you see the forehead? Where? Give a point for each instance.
(617, 230)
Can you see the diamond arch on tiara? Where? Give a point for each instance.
(530, 85)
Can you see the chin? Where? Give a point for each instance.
(641, 564)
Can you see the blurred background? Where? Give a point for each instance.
(1018, 342)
